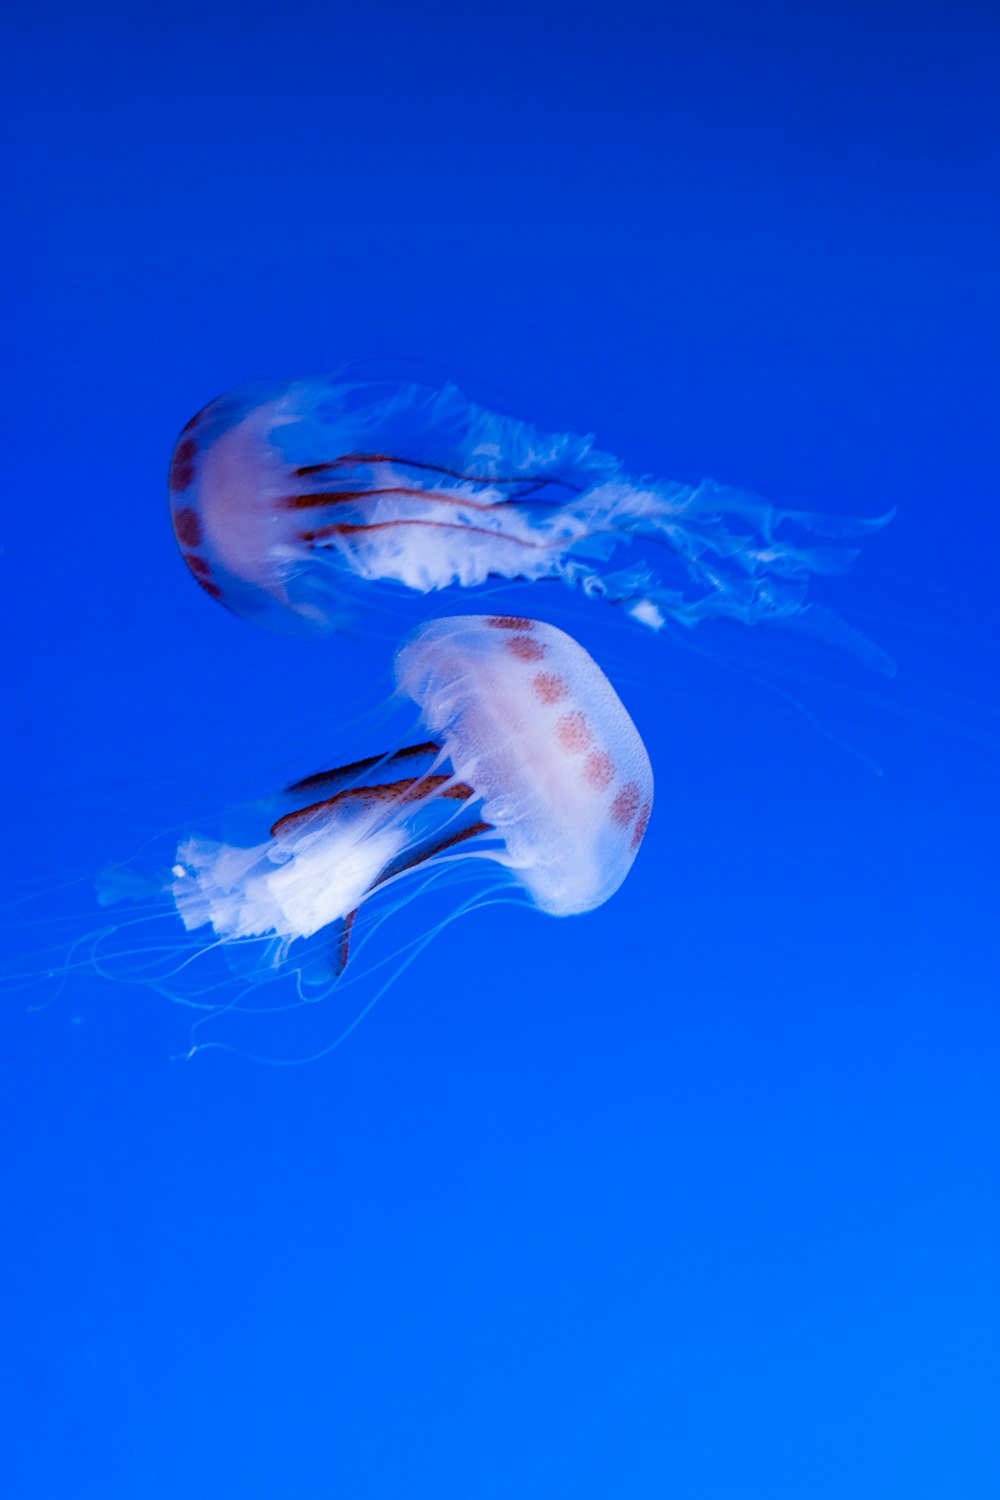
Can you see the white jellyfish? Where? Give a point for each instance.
(292, 503)
(530, 761)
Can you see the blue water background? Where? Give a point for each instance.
(696, 1196)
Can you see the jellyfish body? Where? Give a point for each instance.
(290, 502)
(529, 720)
(531, 762)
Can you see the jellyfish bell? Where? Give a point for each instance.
(294, 504)
(530, 721)
(229, 480)
(530, 764)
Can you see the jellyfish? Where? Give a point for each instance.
(523, 756)
(292, 503)
(514, 775)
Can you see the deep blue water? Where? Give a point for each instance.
(696, 1196)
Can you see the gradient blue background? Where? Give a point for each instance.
(696, 1197)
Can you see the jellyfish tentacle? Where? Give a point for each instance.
(527, 494)
(431, 850)
(344, 943)
(324, 499)
(400, 866)
(412, 789)
(349, 460)
(356, 768)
